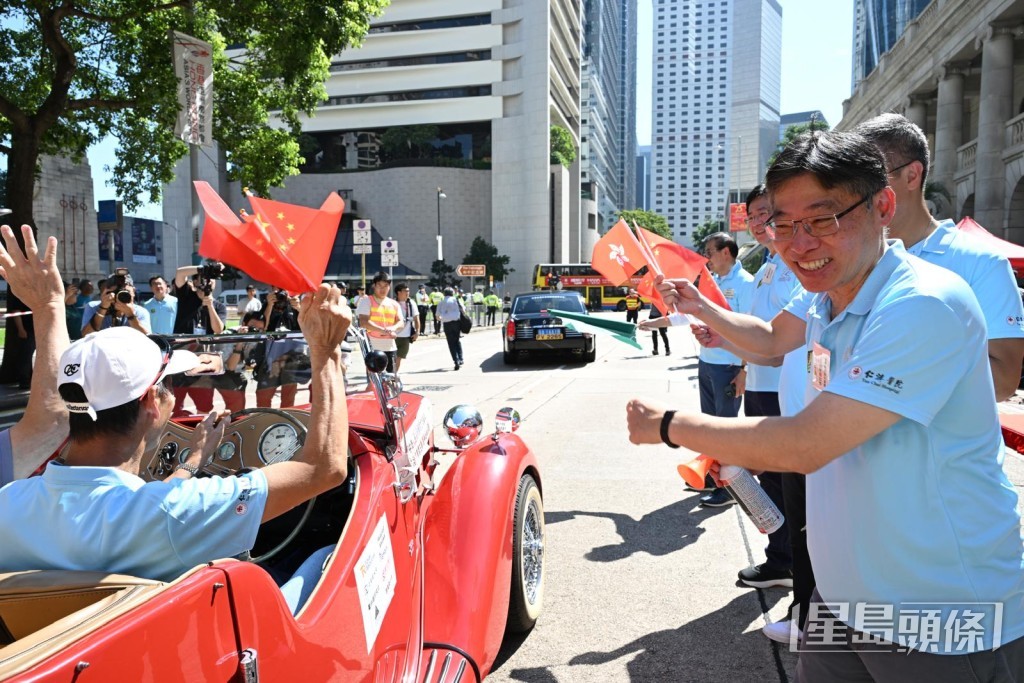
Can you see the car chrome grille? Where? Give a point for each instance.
(525, 328)
(439, 664)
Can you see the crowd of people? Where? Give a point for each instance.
(871, 349)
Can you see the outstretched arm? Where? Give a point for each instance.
(36, 281)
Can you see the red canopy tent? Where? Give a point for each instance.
(1012, 251)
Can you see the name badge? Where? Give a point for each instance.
(729, 293)
(769, 273)
(820, 361)
(198, 330)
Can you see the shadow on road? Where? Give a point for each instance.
(657, 533)
(495, 363)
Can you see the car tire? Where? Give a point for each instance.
(527, 594)
(590, 356)
(621, 306)
(509, 357)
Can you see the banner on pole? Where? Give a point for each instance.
(193, 65)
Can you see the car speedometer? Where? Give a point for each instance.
(278, 443)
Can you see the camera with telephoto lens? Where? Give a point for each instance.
(121, 281)
(210, 271)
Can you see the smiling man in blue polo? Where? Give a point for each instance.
(912, 526)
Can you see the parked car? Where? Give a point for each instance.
(434, 560)
(530, 328)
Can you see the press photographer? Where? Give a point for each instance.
(117, 306)
(198, 313)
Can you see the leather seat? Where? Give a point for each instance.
(32, 600)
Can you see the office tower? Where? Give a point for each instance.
(877, 25)
(716, 80)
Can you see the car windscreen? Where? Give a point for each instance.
(536, 304)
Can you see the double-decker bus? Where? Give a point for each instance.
(598, 292)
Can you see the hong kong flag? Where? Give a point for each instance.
(281, 244)
(617, 255)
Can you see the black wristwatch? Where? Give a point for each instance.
(665, 420)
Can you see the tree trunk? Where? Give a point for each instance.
(21, 181)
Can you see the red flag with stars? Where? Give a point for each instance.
(709, 288)
(675, 260)
(284, 245)
(617, 255)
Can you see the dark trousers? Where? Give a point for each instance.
(632, 316)
(713, 379)
(423, 317)
(451, 335)
(778, 553)
(492, 313)
(437, 321)
(664, 338)
(794, 498)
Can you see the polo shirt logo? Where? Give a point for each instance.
(71, 369)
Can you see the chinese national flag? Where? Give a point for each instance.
(617, 255)
(675, 261)
(269, 251)
(709, 288)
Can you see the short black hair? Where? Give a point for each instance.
(381, 276)
(155, 278)
(722, 240)
(401, 287)
(846, 161)
(117, 421)
(759, 191)
(900, 140)
(252, 287)
(252, 315)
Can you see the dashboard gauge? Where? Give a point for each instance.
(278, 443)
(183, 454)
(226, 450)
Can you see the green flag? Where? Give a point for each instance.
(581, 322)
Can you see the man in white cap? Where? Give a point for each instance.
(109, 518)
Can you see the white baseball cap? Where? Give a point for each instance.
(118, 365)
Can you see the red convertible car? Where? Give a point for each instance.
(434, 555)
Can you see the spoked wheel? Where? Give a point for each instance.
(527, 595)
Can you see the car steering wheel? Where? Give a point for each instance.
(301, 432)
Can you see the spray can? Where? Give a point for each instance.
(742, 486)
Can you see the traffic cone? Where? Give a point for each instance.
(693, 472)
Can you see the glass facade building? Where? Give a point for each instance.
(877, 25)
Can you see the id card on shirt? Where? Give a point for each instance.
(198, 329)
(769, 273)
(821, 358)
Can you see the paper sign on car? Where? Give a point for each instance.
(375, 580)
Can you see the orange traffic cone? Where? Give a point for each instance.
(693, 472)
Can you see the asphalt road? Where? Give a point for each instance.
(641, 582)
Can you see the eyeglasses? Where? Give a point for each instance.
(893, 170)
(166, 351)
(816, 226)
(758, 221)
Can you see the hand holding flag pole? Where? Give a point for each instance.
(675, 315)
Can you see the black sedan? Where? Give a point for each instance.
(531, 329)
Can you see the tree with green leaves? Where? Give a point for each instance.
(792, 133)
(563, 151)
(654, 222)
(483, 252)
(707, 228)
(442, 275)
(75, 71)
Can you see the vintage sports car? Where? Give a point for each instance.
(435, 554)
(530, 329)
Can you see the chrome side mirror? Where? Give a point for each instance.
(507, 420)
(392, 386)
(463, 423)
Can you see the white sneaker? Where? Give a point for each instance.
(783, 632)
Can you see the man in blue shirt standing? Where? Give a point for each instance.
(720, 373)
(912, 524)
(43, 427)
(162, 308)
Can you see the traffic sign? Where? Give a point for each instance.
(389, 260)
(466, 270)
(361, 237)
(361, 225)
(362, 248)
(389, 247)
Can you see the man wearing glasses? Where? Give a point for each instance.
(989, 274)
(909, 511)
(114, 384)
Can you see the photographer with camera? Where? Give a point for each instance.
(198, 313)
(285, 359)
(116, 307)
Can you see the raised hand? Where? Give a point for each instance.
(36, 281)
(324, 318)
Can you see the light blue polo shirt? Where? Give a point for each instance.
(90, 312)
(6, 458)
(988, 273)
(795, 364)
(774, 287)
(105, 519)
(738, 288)
(162, 314)
(922, 512)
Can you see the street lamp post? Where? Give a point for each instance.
(440, 195)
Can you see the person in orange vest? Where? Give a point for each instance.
(633, 306)
(382, 318)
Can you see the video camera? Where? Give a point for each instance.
(207, 272)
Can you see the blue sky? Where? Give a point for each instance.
(817, 41)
